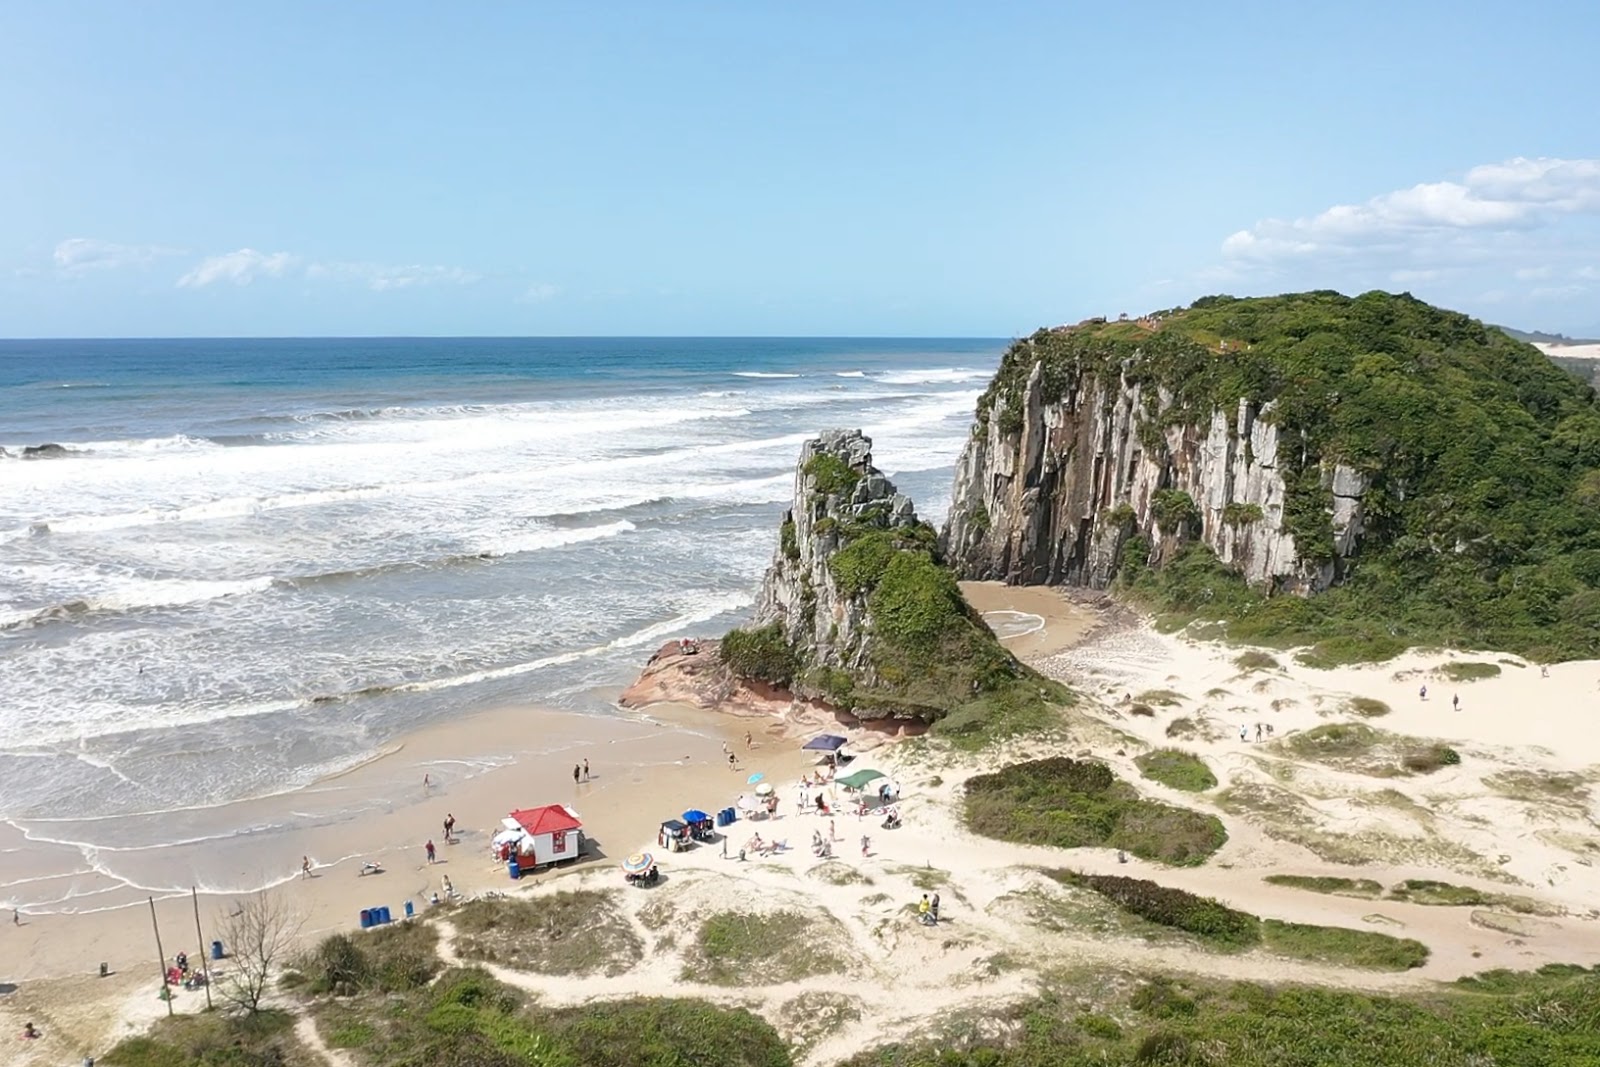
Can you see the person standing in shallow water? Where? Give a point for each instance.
(576, 770)
(430, 849)
(586, 770)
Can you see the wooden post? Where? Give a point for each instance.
(205, 956)
(161, 957)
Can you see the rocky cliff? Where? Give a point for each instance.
(856, 610)
(1055, 495)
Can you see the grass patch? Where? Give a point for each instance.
(1341, 947)
(1175, 768)
(1367, 708)
(1207, 919)
(1183, 728)
(1499, 1019)
(735, 948)
(1161, 698)
(836, 873)
(1541, 787)
(1444, 894)
(1142, 710)
(1065, 803)
(1255, 660)
(1352, 746)
(1365, 888)
(575, 932)
(390, 959)
(266, 1039)
(1470, 671)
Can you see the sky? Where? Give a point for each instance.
(740, 168)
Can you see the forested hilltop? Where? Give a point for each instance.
(1423, 477)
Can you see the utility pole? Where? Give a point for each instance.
(161, 958)
(205, 967)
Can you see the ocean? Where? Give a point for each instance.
(262, 561)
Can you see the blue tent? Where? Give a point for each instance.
(695, 815)
(824, 743)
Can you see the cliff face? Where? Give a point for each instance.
(1053, 490)
(837, 493)
(858, 612)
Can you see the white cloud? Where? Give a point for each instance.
(80, 255)
(539, 292)
(381, 277)
(1531, 274)
(1411, 277)
(240, 268)
(1519, 194)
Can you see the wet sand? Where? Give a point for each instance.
(1032, 620)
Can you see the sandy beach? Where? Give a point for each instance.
(1515, 820)
(643, 768)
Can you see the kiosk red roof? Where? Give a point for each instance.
(548, 819)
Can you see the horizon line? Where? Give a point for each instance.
(527, 337)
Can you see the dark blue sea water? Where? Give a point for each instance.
(262, 560)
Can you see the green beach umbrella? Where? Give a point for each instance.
(857, 779)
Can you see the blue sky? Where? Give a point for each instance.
(176, 169)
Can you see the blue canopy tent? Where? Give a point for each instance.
(824, 743)
(699, 824)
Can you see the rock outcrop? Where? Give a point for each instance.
(1058, 495)
(837, 493)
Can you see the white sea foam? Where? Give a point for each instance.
(932, 376)
(762, 374)
(849, 374)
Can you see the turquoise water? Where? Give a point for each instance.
(260, 561)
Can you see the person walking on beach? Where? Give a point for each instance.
(1244, 734)
(305, 866)
(831, 835)
(749, 742)
(1258, 731)
(16, 917)
(933, 909)
(866, 844)
(732, 760)
(1423, 693)
(576, 770)
(449, 827)
(586, 770)
(429, 847)
(1455, 702)
(427, 783)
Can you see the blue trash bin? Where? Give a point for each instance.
(366, 918)
(514, 869)
(386, 916)
(216, 950)
(410, 911)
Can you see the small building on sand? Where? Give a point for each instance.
(551, 834)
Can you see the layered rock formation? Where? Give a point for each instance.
(1057, 495)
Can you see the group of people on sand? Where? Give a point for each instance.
(928, 910)
(1244, 731)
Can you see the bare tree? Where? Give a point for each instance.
(259, 934)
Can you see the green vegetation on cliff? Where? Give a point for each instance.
(1482, 519)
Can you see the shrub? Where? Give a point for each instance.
(1430, 759)
(831, 474)
(1367, 707)
(1201, 916)
(1175, 768)
(787, 539)
(1470, 672)
(1342, 887)
(764, 654)
(1172, 508)
(1345, 948)
(1255, 660)
(1066, 803)
(1242, 514)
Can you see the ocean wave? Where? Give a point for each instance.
(140, 594)
(932, 376)
(763, 374)
(169, 593)
(709, 608)
(850, 374)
